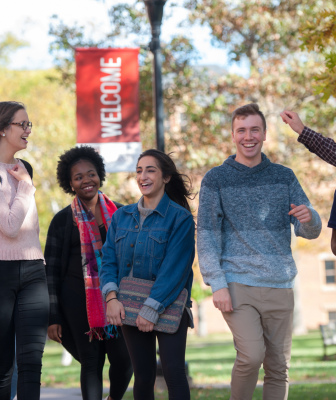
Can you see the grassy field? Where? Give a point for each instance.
(297, 392)
(211, 359)
(210, 362)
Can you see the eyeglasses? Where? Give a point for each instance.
(24, 125)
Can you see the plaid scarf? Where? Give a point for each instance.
(91, 245)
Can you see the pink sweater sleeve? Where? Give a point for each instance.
(12, 217)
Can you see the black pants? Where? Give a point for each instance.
(91, 355)
(24, 313)
(142, 349)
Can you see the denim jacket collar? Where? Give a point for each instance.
(161, 208)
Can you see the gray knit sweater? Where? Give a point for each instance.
(243, 227)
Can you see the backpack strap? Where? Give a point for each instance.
(28, 167)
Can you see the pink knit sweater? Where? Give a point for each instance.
(19, 227)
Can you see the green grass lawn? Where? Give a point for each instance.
(297, 392)
(210, 361)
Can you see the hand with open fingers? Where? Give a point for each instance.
(222, 300)
(144, 325)
(115, 312)
(293, 120)
(55, 333)
(20, 173)
(302, 213)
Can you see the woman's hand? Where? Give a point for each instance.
(55, 333)
(20, 173)
(144, 325)
(115, 312)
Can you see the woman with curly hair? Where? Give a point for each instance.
(73, 256)
(153, 240)
(24, 305)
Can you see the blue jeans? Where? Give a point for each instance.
(24, 313)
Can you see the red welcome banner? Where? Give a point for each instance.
(107, 86)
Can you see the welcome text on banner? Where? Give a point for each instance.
(107, 87)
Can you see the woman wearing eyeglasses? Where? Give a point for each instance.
(24, 304)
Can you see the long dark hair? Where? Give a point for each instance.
(7, 112)
(179, 187)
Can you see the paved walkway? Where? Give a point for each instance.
(60, 394)
(75, 393)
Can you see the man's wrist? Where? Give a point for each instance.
(300, 130)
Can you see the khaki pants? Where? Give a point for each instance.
(261, 324)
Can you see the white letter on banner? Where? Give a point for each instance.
(111, 84)
(114, 74)
(110, 62)
(117, 100)
(110, 129)
(110, 112)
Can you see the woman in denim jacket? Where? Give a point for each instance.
(154, 240)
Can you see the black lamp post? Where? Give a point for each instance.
(155, 12)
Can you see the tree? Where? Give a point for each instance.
(319, 34)
(49, 107)
(265, 35)
(8, 44)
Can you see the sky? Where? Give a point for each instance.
(30, 19)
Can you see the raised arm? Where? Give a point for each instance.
(293, 120)
(316, 143)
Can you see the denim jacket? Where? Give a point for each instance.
(162, 251)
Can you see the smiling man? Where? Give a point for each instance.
(246, 209)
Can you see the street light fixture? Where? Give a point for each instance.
(155, 12)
